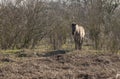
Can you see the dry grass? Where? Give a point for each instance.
(59, 64)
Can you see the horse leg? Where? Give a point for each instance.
(80, 46)
(78, 42)
(75, 45)
(81, 42)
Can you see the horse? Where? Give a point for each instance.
(78, 33)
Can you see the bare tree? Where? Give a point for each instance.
(24, 23)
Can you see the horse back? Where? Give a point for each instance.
(81, 31)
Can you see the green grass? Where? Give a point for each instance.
(68, 46)
(44, 48)
(10, 51)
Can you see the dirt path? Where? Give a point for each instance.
(59, 65)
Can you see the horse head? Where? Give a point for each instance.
(73, 28)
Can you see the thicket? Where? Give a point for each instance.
(24, 23)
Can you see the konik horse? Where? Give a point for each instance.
(78, 33)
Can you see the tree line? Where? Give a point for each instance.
(24, 23)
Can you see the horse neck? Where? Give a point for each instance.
(77, 28)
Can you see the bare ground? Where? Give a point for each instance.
(59, 65)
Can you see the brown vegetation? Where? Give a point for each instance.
(59, 65)
(31, 24)
(23, 24)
